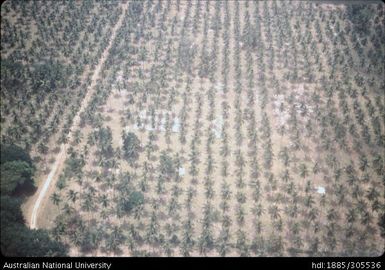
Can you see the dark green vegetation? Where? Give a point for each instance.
(130, 202)
(131, 147)
(16, 170)
(16, 238)
(14, 174)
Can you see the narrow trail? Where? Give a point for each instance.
(61, 157)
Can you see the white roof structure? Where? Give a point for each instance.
(176, 125)
(218, 124)
(320, 190)
(181, 171)
(219, 86)
(162, 124)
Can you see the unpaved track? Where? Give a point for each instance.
(61, 157)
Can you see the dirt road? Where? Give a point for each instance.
(61, 157)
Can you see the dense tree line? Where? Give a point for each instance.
(16, 238)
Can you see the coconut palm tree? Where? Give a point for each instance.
(88, 203)
(274, 212)
(72, 195)
(284, 156)
(372, 194)
(240, 214)
(241, 244)
(104, 200)
(303, 171)
(258, 210)
(77, 238)
(363, 163)
(285, 175)
(55, 198)
(187, 238)
(152, 234)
